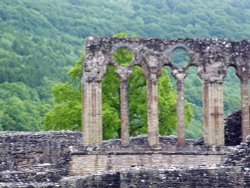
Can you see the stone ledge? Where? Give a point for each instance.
(78, 153)
(95, 163)
(139, 145)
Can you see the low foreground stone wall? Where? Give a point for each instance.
(113, 156)
(20, 150)
(56, 159)
(35, 159)
(161, 178)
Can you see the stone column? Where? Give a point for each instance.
(124, 113)
(180, 110)
(153, 123)
(213, 113)
(92, 112)
(244, 109)
(205, 112)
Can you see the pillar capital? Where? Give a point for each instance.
(212, 77)
(244, 80)
(123, 72)
(152, 66)
(179, 74)
(212, 71)
(94, 67)
(243, 70)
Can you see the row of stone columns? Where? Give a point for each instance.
(212, 109)
(152, 110)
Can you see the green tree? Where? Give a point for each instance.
(66, 113)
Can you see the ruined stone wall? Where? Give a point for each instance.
(159, 178)
(233, 172)
(233, 129)
(42, 159)
(212, 57)
(35, 159)
(21, 150)
(113, 156)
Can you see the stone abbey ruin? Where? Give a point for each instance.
(212, 57)
(72, 159)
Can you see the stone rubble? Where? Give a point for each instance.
(161, 178)
(35, 159)
(240, 156)
(233, 133)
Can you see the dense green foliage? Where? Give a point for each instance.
(21, 108)
(40, 40)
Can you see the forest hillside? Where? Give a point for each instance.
(40, 40)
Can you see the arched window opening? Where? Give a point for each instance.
(179, 57)
(167, 103)
(193, 96)
(123, 57)
(137, 102)
(110, 104)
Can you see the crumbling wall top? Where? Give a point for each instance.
(211, 56)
